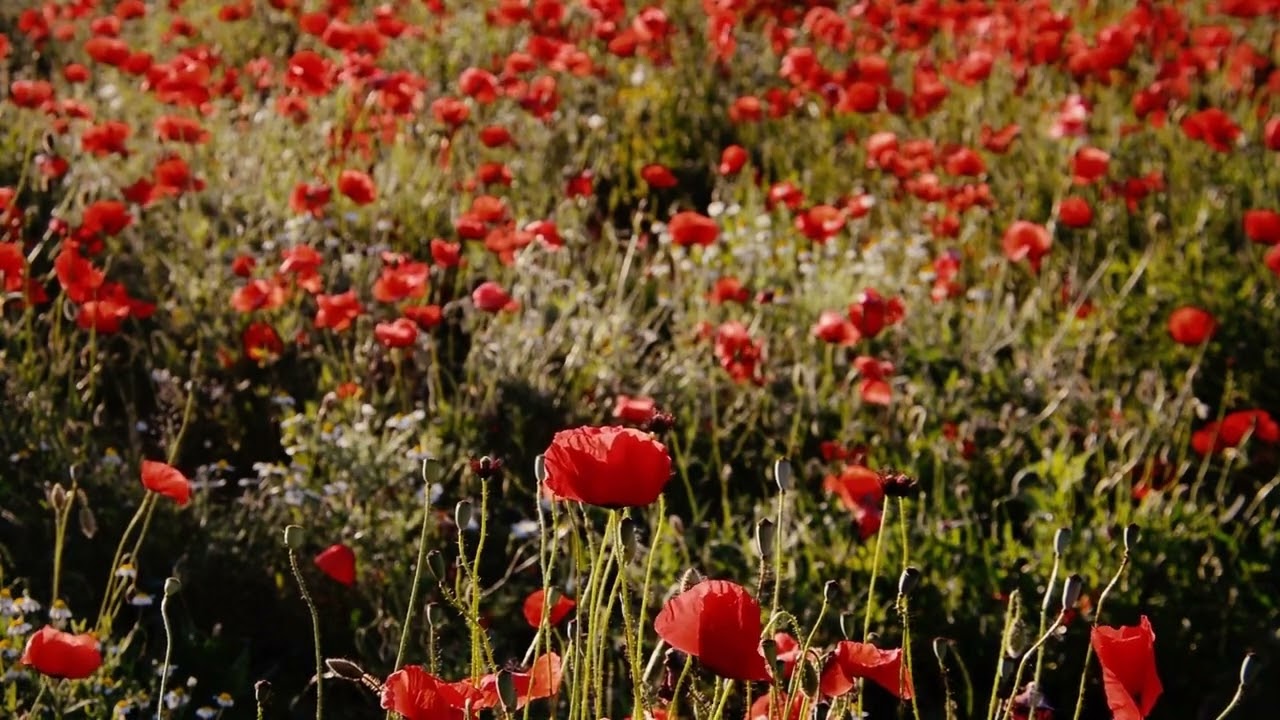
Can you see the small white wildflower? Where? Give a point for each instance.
(18, 627)
(141, 599)
(223, 700)
(111, 458)
(126, 571)
(524, 529)
(59, 612)
(27, 604)
(175, 699)
(206, 713)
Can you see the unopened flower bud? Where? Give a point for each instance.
(770, 649)
(507, 691)
(462, 514)
(540, 469)
(829, 591)
(783, 474)
(344, 668)
(628, 539)
(57, 497)
(765, 536)
(435, 563)
(690, 578)
(1131, 534)
(172, 586)
(809, 678)
(1061, 539)
(261, 691)
(1071, 589)
(908, 581)
(293, 537)
(940, 647)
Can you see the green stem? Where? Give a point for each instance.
(903, 610)
(417, 570)
(1022, 664)
(1044, 615)
(1010, 622)
(315, 631)
(1097, 615)
(168, 653)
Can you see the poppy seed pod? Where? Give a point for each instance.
(628, 539)
(1071, 589)
(463, 514)
(1061, 539)
(783, 475)
(908, 581)
(540, 469)
(1249, 669)
(172, 586)
(765, 535)
(1131, 535)
(432, 471)
(293, 536)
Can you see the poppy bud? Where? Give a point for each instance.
(344, 668)
(435, 614)
(432, 471)
(809, 679)
(261, 691)
(628, 540)
(88, 522)
(783, 475)
(770, 649)
(507, 691)
(463, 514)
(1071, 589)
(829, 590)
(172, 586)
(677, 525)
(940, 646)
(57, 497)
(844, 627)
(1249, 669)
(1061, 539)
(435, 561)
(293, 537)
(540, 469)
(1131, 534)
(908, 581)
(690, 578)
(765, 535)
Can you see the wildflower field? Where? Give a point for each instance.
(645, 359)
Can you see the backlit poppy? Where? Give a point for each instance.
(166, 480)
(717, 622)
(1262, 226)
(691, 228)
(418, 695)
(1028, 241)
(358, 186)
(1127, 657)
(561, 606)
(607, 466)
(634, 410)
(491, 298)
(1075, 212)
(61, 654)
(338, 562)
(852, 660)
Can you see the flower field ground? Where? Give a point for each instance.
(639, 358)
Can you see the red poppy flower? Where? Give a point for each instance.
(634, 410)
(691, 228)
(1127, 657)
(446, 254)
(718, 622)
(399, 333)
(494, 136)
(834, 328)
(1272, 260)
(1271, 133)
(1230, 432)
(856, 486)
(561, 606)
(728, 289)
(874, 388)
(1089, 164)
(607, 466)
(820, 223)
(30, 93)
(491, 298)
(1213, 127)
(309, 72)
(166, 480)
(1190, 325)
(738, 353)
(732, 159)
(310, 198)
(261, 342)
(870, 313)
(175, 128)
(782, 709)
(1075, 212)
(337, 312)
(658, 176)
(1027, 241)
(427, 316)
(852, 660)
(419, 695)
(541, 681)
(61, 654)
(1262, 226)
(788, 651)
(358, 186)
(338, 562)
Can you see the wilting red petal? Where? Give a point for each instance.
(165, 479)
(338, 562)
(718, 622)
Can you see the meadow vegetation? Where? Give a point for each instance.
(609, 358)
